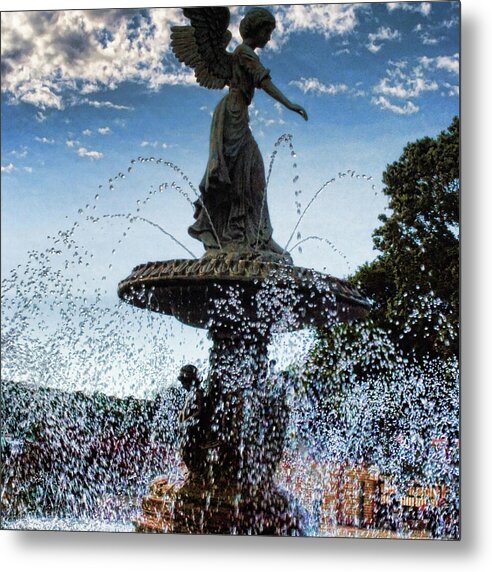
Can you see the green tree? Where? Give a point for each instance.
(414, 282)
(385, 388)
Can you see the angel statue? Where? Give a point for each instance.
(232, 213)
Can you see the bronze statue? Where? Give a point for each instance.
(233, 429)
(191, 419)
(232, 213)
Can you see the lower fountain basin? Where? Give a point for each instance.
(289, 296)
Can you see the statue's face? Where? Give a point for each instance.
(187, 385)
(186, 382)
(263, 36)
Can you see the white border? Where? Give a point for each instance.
(39, 551)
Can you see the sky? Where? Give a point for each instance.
(476, 342)
(91, 100)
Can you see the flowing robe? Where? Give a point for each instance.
(232, 210)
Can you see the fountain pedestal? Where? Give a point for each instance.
(232, 455)
(233, 430)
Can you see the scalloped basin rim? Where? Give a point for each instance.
(186, 288)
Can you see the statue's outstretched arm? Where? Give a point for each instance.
(269, 87)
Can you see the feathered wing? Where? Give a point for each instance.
(202, 45)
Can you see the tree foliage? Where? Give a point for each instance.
(399, 367)
(414, 282)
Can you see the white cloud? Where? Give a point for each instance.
(27, 169)
(21, 153)
(330, 19)
(454, 21)
(104, 130)
(404, 84)
(449, 64)
(383, 34)
(71, 142)
(41, 117)
(50, 56)
(155, 144)
(453, 90)
(326, 19)
(357, 92)
(423, 8)
(261, 118)
(83, 152)
(44, 140)
(87, 132)
(383, 103)
(8, 168)
(280, 111)
(314, 85)
(35, 93)
(104, 104)
(429, 40)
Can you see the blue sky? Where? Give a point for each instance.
(86, 93)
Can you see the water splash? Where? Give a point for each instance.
(197, 194)
(283, 139)
(323, 187)
(133, 218)
(326, 241)
(82, 459)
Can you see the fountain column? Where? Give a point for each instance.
(233, 429)
(233, 457)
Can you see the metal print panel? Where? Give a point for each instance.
(230, 270)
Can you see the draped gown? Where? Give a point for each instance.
(233, 189)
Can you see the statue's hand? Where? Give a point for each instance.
(300, 110)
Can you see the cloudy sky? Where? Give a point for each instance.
(91, 100)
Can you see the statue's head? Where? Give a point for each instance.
(255, 21)
(188, 376)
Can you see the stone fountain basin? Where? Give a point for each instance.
(288, 296)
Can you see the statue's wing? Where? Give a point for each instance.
(202, 45)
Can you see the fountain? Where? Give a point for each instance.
(244, 289)
(324, 448)
(236, 442)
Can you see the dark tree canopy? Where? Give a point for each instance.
(404, 356)
(414, 282)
